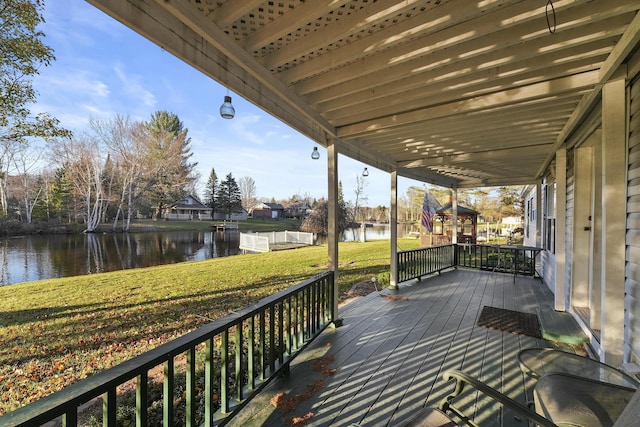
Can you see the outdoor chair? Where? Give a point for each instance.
(571, 390)
(560, 400)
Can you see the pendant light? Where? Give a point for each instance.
(226, 109)
(365, 172)
(315, 154)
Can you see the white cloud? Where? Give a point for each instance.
(133, 87)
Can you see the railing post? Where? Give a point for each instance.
(209, 382)
(167, 393)
(455, 255)
(190, 404)
(141, 399)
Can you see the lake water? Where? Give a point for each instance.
(39, 257)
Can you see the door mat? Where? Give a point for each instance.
(515, 322)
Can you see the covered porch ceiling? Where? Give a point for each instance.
(458, 93)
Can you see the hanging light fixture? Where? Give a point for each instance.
(226, 109)
(315, 154)
(365, 172)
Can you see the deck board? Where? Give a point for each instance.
(390, 354)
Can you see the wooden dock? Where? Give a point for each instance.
(226, 226)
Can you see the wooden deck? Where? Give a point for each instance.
(393, 347)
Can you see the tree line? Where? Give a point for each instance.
(116, 171)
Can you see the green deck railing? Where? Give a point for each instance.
(415, 263)
(518, 260)
(216, 368)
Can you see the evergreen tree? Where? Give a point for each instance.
(168, 146)
(228, 197)
(210, 192)
(60, 202)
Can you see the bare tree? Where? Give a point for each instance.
(84, 167)
(247, 191)
(32, 188)
(361, 197)
(127, 167)
(8, 148)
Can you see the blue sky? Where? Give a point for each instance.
(102, 68)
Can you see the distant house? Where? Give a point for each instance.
(188, 209)
(299, 210)
(236, 216)
(268, 210)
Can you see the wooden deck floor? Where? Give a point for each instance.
(391, 351)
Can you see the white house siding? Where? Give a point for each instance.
(548, 259)
(632, 270)
(569, 227)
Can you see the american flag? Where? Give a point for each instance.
(429, 207)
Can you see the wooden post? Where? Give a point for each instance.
(393, 231)
(332, 222)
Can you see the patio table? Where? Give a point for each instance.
(536, 362)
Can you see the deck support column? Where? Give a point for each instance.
(561, 289)
(393, 230)
(614, 143)
(454, 212)
(332, 222)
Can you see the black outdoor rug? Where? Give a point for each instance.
(515, 322)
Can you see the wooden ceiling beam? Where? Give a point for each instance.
(523, 69)
(343, 28)
(440, 18)
(552, 118)
(502, 154)
(458, 43)
(496, 141)
(536, 91)
(412, 100)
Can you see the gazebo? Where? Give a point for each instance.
(467, 224)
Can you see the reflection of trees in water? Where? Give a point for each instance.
(225, 243)
(48, 256)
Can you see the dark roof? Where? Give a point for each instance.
(275, 206)
(197, 204)
(447, 211)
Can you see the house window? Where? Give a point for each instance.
(550, 217)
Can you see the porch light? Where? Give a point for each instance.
(226, 109)
(315, 154)
(365, 172)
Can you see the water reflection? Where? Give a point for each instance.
(25, 259)
(32, 258)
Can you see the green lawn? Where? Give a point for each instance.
(54, 332)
